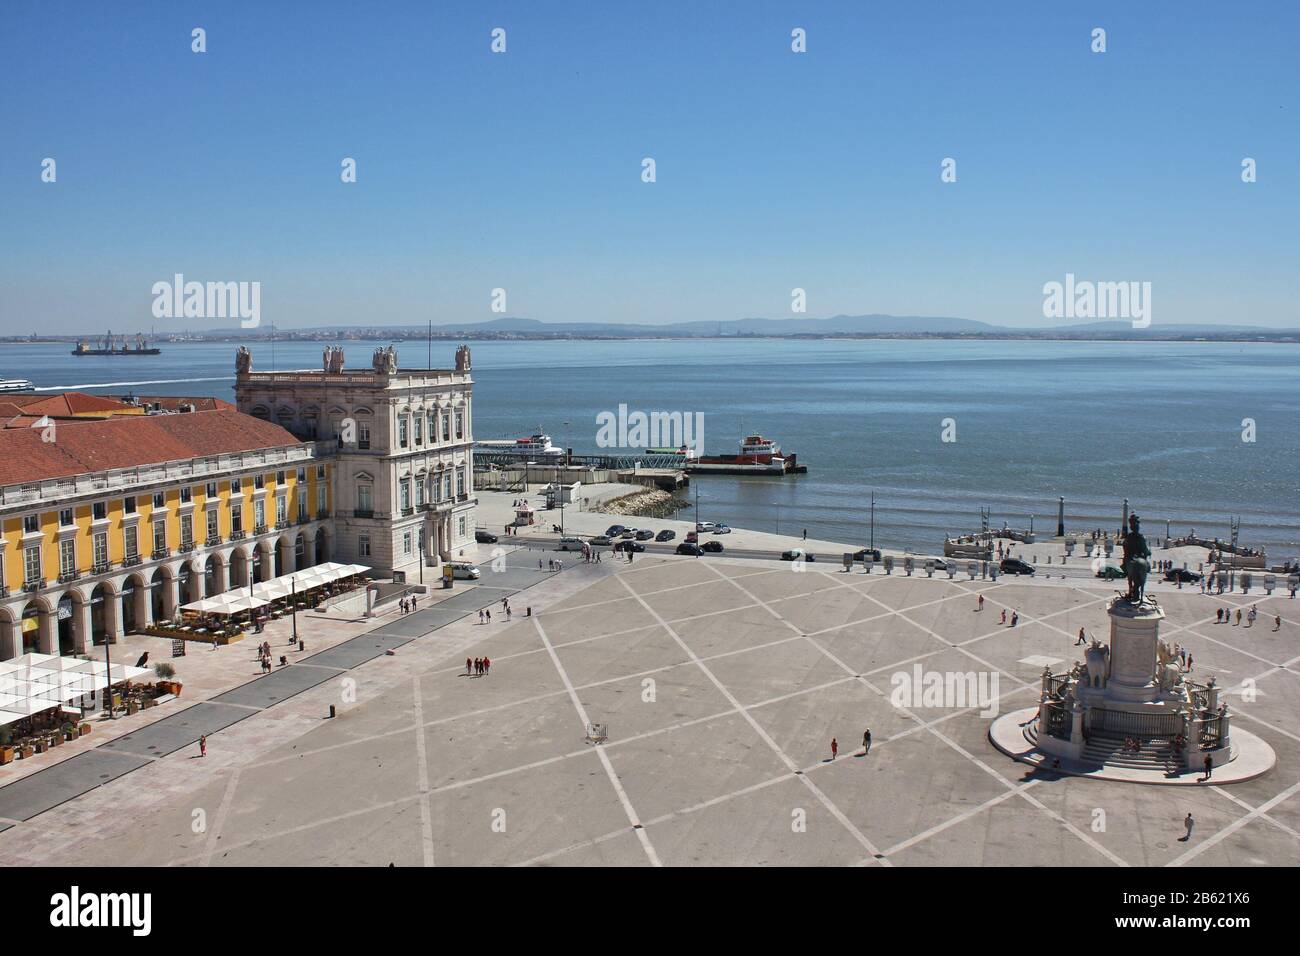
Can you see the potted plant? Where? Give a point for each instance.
(69, 732)
(84, 729)
(165, 684)
(26, 750)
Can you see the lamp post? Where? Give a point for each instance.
(873, 521)
(108, 674)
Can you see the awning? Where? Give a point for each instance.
(35, 682)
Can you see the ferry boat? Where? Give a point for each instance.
(533, 448)
(109, 346)
(758, 456)
(15, 385)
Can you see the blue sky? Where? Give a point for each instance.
(775, 170)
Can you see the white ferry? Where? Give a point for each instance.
(15, 385)
(533, 448)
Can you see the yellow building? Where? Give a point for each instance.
(108, 524)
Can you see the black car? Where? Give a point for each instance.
(714, 546)
(688, 547)
(867, 554)
(645, 534)
(665, 535)
(615, 530)
(485, 537)
(629, 546)
(1182, 574)
(1015, 566)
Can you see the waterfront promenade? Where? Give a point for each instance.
(722, 682)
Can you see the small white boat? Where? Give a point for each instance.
(15, 385)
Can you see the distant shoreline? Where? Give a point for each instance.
(1282, 338)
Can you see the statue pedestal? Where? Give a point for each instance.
(1134, 633)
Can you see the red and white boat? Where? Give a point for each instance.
(758, 456)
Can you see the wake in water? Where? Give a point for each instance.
(156, 381)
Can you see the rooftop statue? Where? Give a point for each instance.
(1136, 563)
(462, 359)
(243, 361)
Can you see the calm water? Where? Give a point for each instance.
(1159, 423)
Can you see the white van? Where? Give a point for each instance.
(569, 544)
(463, 570)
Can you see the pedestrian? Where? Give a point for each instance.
(1015, 618)
(805, 534)
(412, 602)
(487, 665)
(203, 745)
(539, 564)
(1209, 766)
(469, 664)
(504, 602)
(1238, 624)
(1189, 823)
(980, 605)
(488, 612)
(1189, 663)
(1277, 623)
(1081, 639)
(508, 613)
(1004, 616)
(478, 666)
(866, 741)
(1218, 616)
(835, 747)
(480, 615)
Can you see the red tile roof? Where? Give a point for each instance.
(84, 446)
(201, 403)
(66, 404)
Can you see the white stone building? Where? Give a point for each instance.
(403, 470)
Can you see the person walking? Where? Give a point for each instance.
(508, 613)
(866, 741)
(1004, 616)
(1209, 767)
(1189, 823)
(487, 666)
(835, 747)
(1277, 623)
(1015, 618)
(979, 606)
(1081, 640)
(469, 664)
(203, 745)
(805, 534)
(1189, 663)
(1238, 624)
(488, 612)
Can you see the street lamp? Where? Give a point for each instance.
(873, 521)
(293, 605)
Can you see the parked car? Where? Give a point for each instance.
(602, 539)
(644, 534)
(867, 554)
(692, 536)
(628, 533)
(797, 554)
(485, 537)
(712, 546)
(569, 544)
(463, 570)
(1182, 574)
(687, 547)
(704, 526)
(665, 535)
(1110, 572)
(939, 564)
(629, 546)
(614, 530)
(1015, 566)
(721, 529)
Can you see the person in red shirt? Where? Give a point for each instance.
(835, 747)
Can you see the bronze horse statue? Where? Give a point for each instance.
(1136, 564)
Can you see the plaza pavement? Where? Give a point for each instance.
(722, 682)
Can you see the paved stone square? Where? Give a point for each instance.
(722, 682)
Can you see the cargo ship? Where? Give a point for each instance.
(758, 456)
(109, 346)
(15, 385)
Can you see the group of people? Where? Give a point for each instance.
(407, 604)
(478, 667)
(1224, 615)
(552, 564)
(866, 744)
(264, 656)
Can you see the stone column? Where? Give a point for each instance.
(11, 641)
(48, 634)
(81, 639)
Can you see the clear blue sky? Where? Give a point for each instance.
(522, 170)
